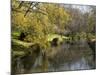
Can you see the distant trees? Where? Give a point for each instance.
(92, 20)
(82, 21)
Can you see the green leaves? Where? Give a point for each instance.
(38, 25)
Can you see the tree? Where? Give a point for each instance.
(92, 20)
(39, 22)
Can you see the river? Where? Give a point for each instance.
(65, 57)
(68, 57)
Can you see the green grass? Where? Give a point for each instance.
(15, 35)
(18, 53)
(22, 43)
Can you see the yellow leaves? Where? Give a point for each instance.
(19, 18)
(38, 25)
(15, 3)
(57, 15)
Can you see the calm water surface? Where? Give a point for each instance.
(77, 56)
(65, 57)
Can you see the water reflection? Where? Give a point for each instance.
(67, 57)
(81, 64)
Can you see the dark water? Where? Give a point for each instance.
(65, 57)
(68, 57)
